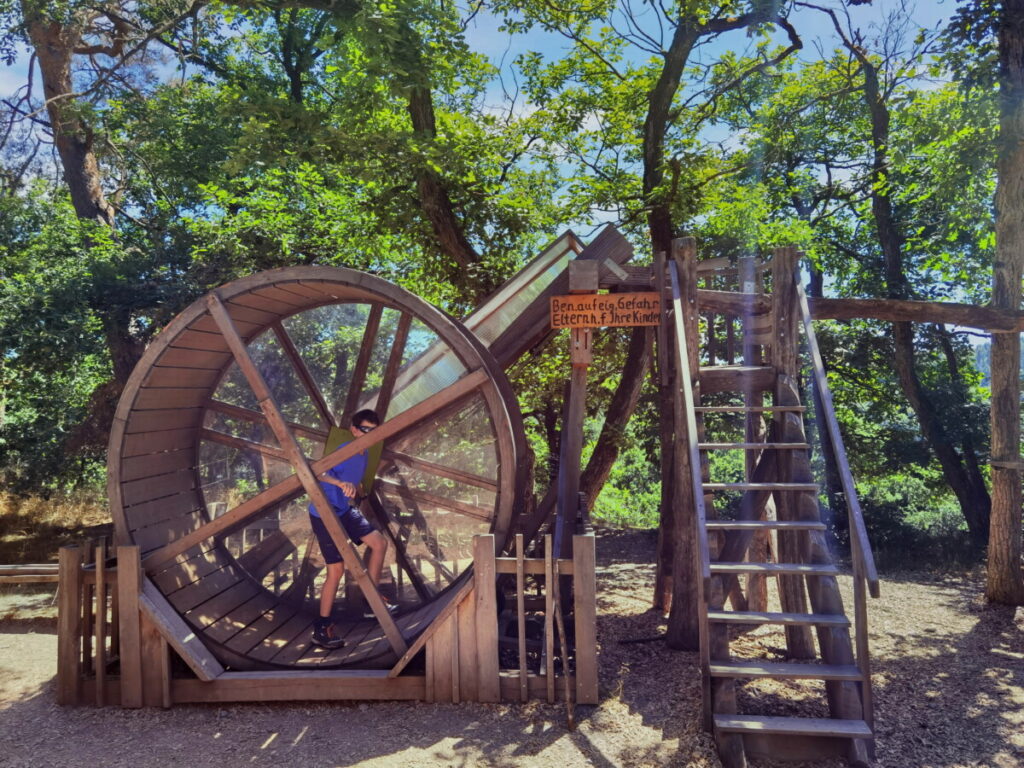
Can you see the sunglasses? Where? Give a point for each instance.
(364, 429)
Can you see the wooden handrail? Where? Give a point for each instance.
(683, 367)
(861, 547)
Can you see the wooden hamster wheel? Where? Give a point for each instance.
(251, 386)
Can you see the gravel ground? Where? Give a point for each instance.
(949, 683)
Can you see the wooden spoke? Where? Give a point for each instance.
(452, 505)
(387, 386)
(290, 487)
(292, 353)
(401, 556)
(355, 387)
(256, 417)
(302, 469)
(241, 444)
(439, 470)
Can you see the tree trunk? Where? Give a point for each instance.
(54, 45)
(436, 203)
(1005, 583)
(972, 497)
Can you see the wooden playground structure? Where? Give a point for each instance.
(208, 592)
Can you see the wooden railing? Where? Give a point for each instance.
(683, 368)
(864, 571)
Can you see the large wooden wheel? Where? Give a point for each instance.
(252, 385)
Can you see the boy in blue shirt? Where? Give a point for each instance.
(341, 485)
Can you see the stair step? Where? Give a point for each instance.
(736, 378)
(782, 525)
(761, 486)
(789, 670)
(753, 446)
(789, 619)
(799, 569)
(796, 726)
(750, 408)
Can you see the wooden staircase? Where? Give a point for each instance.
(744, 396)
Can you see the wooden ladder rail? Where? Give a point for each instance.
(864, 571)
(704, 582)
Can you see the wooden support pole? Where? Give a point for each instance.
(549, 620)
(486, 618)
(524, 693)
(129, 586)
(101, 622)
(666, 525)
(69, 626)
(584, 557)
(355, 387)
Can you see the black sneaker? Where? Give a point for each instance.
(392, 609)
(327, 637)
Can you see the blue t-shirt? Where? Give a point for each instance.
(350, 470)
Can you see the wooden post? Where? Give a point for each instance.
(489, 683)
(101, 622)
(129, 586)
(524, 682)
(549, 620)
(69, 626)
(584, 561)
(666, 525)
(155, 664)
(684, 619)
(469, 664)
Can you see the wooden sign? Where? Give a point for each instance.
(594, 310)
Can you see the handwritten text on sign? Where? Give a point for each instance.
(594, 310)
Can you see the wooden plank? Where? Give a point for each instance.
(731, 303)
(302, 370)
(155, 683)
(387, 386)
(521, 614)
(754, 446)
(787, 487)
(486, 618)
(549, 620)
(200, 340)
(291, 486)
(181, 377)
(174, 357)
(584, 555)
(757, 668)
(162, 418)
(803, 525)
(129, 587)
(766, 617)
(473, 511)
(439, 672)
(800, 569)
(101, 622)
(69, 626)
(750, 409)
(158, 486)
(793, 726)
(250, 312)
(358, 382)
(736, 378)
(304, 685)
(468, 659)
(448, 607)
(154, 442)
(178, 634)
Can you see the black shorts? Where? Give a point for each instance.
(355, 525)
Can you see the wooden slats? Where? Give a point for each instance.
(793, 726)
(782, 525)
(797, 569)
(761, 486)
(750, 408)
(736, 378)
(779, 670)
(765, 617)
(753, 446)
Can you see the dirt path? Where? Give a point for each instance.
(949, 684)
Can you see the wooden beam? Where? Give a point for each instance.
(355, 386)
(900, 310)
(460, 507)
(302, 468)
(300, 685)
(257, 418)
(293, 355)
(585, 611)
(242, 444)
(486, 618)
(69, 626)
(129, 586)
(440, 470)
(387, 386)
(291, 487)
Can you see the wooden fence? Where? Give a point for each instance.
(118, 639)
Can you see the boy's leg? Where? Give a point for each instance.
(378, 546)
(330, 590)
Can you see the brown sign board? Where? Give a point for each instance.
(593, 310)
